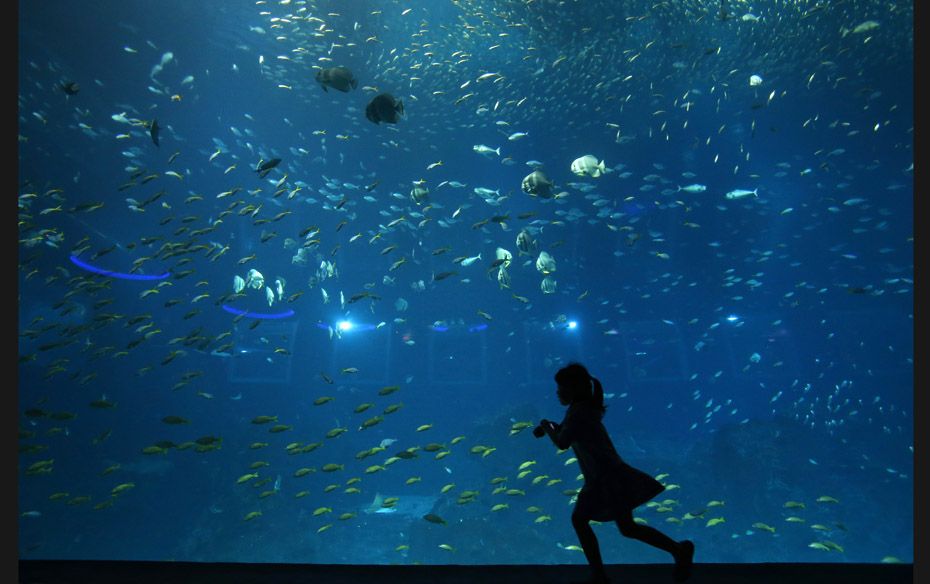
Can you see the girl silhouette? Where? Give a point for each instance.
(612, 488)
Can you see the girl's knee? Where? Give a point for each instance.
(579, 520)
(628, 528)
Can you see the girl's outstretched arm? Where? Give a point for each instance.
(561, 434)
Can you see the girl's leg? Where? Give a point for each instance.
(682, 551)
(588, 541)
(647, 534)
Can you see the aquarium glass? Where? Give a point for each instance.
(294, 277)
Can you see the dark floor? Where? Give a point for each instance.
(110, 572)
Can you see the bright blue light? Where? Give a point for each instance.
(344, 325)
(572, 324)
(732, 318)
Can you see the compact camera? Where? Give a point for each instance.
(539, 431)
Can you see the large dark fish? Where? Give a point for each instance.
(153, 131)
(265, 167)
(339, 78)
(384, 107)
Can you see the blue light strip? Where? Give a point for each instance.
(264, 315)
(102, 272)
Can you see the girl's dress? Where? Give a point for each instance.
(612, 488)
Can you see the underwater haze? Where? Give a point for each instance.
(295, 276)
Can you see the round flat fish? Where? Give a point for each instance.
(537, 184)
(419, 194)
(255, 279)
(339, 78)
(588, 165)
(153, 131)
(384, 107)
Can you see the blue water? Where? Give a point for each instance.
(756, 352)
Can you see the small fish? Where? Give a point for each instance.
(486, 150)
(470, 260)
(740, 193)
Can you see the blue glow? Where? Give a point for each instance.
(477, 327)
(439, 328)
(102, 272)
(732, 318)
(572, 324)
(344, 325)
(261, 315)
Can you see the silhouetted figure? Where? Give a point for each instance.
(612, 488)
